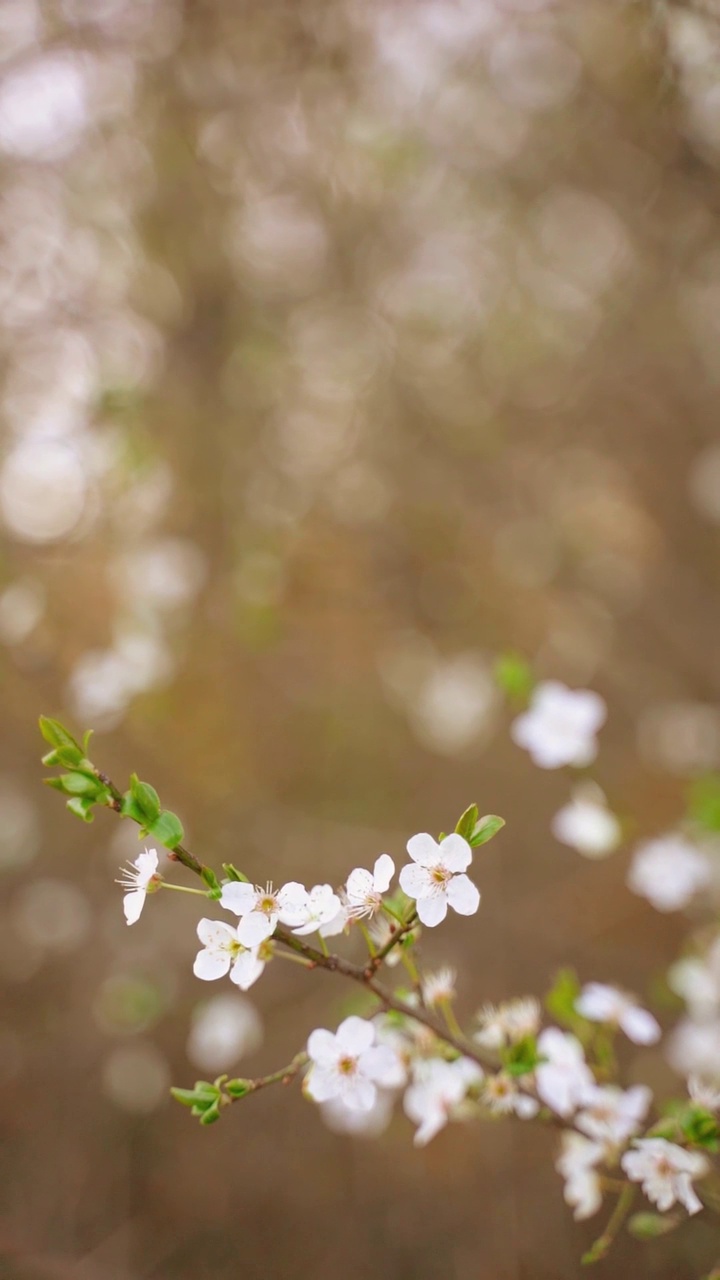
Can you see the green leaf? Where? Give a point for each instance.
(186, 1097)
(700, 1127)
(56, 734)
(485, 828)
(466, 823)
(514, 677)
(647, 1226)
(145, 799)
(211, 1115)
(522, 1057)
(76, 784)
(81, 806)
(129, 809)
(167, 828)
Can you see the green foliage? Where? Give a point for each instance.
(647, 1226)
(232, 872)
(521, 1058)
(82, 784)
(239, 1088)
(560, 1003)
(514, 677)
(704, 802)
(485, 828)
(167, 829)
(466, 823)
(204, 1100)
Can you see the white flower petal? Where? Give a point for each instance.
(255, 927)
(455, 852)
(432, 911)
(246, 970)
(147, 865)
(358, 1093)
(359, 887)
(322, 1084)
(293, 903)
(383, 872)
(416, 881)
(322, 1047)
(215, 933)
(210, 965)
(463, 895)
(355, 1035)
(640, 1026)
(335, 926)
(381, 1064)
(133, 904)
(424, 850)
(239, 897)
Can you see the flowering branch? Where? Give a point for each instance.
(504, 1066)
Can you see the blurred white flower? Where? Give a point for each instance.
(704, 1093)
(586, 824)
(600, 1003)
(43, 108)
(438, 987)
(364, 889)
(507, 1023)
(359, 1124)
(694, 1048)
(435, 880)
(697, 980)
(22, 605)
(437, 1091)
(43, 490)
(382, 932)
(577, 1165)
(223, 1030)
(610, 1115)
(668, 871)
(350, 1065)
(502, 1096)
(666, 1172)
(563, 1080)
(560, 726)
(139, 879)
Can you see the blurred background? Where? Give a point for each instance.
(346, 344)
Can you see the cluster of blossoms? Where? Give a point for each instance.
(410, 1046)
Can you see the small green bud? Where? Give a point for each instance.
(145, 799)
(239, 1088)
(514, 677)
(232, 872)
(208, 875)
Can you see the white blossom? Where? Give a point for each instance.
(668, 871)
(323, 906)
(364, 889)
(223, 952)
(560, 725)
(599, 1003)
(139, 878)
(502, 1096)
(436, 1093)
(438, 987)
(339, 922)
(434, 877)
(577, 1165)
(262, 909)
(666, 1172)
(704, 1093)
(382, 932)
(564, 1078)
(611, 1115)
(697, 979)
(508, 1023)
(350, 1065)
(587, 825)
